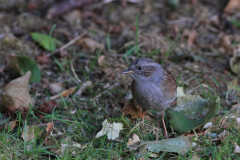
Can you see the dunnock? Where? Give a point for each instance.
(153, 88)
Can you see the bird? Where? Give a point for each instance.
(152, 87)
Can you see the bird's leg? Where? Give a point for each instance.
(164, 126)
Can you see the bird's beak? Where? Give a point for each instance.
(127, 71)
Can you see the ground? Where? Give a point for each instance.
(194, 40)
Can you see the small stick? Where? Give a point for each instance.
(68, 44)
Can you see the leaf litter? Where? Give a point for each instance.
(207, 45)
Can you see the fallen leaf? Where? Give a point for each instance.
(226, 42)
(180, 92)
(237, 148)
(55, 87)
(54, 144)
(235, 109)
(43, 59)
(30, 132)
(71, 146)
(132, 142)
(62, 144)
(180, 145)
(49, 129)
(73, 17)
(13, 111)
(101, 60)
(223, 136)
(15, 95)
(184, 117)
(64, 6)
(89, 44)
(112, 130)
(133, 110)
(235, 64)
(72, 90)
(46, 107)
(232, 7)
(208, 125)
(47, 42)
(23, 64)
(8, 126)
(64, 93)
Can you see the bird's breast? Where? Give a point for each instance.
(148, 96)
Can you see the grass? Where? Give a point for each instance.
(82, 126)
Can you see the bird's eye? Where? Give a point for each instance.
(140, 68)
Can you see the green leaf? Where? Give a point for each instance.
(26, 64)
(180, 145)
(184, 118)
(47, 42)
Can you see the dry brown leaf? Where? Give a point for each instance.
(43, 59)
(15, 95)
(226, 42)
(235, 109)
(8, 126)
(13, 111)
(46, 107)
(73, 17)
(131, 142)
(101, 60)
(49, 129)
(72, 90)
(237, 148)
(133, 110)
(232, 7)
(64, 93)
(54, 144)
(30, 132)
(223, 136)
(89, 44)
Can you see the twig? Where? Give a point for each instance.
(68, 44)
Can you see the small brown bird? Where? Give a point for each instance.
(153, 88)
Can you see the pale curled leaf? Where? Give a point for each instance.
(133, 141)
(8, 126)
(180, 145)
(30, 132)
(112, 130)
(180, 92)
(237, 148)
(16, 94)
(233, 6)
(208, 125)
(223, 136)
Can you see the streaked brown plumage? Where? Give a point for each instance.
(153, 88)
